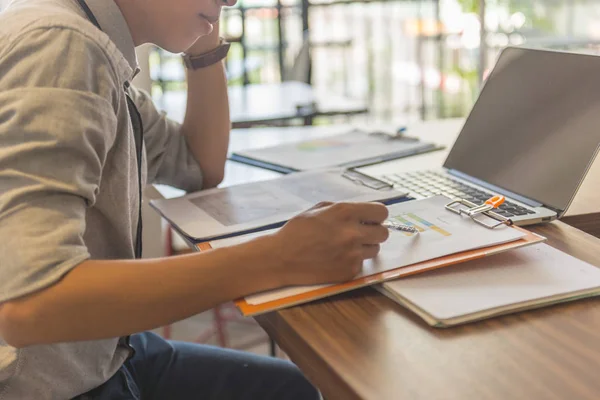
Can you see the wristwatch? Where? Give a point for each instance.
(206, 59)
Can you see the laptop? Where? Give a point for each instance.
(532, 135)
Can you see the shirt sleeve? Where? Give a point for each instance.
(170, 160)
(57, 124)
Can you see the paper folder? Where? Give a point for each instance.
(356, 148)
(307, 294)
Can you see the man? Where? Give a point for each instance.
(71, 130)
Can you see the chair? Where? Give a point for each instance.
(300, 71)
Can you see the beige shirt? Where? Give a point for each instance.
(68, 172)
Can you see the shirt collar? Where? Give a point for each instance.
(113, 23)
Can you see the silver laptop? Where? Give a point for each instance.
(531, 136)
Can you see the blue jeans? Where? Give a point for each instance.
(163, 369)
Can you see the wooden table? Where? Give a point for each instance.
(361, 345)
(261, 104)
(269, 103)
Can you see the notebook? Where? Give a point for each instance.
(349, 149)
(444, 239)
(530, 277)
(246, 208)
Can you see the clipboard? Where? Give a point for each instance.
(257, 206)
(249, 308)
(352, 149)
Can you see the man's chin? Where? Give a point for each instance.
(177, 46)
(176, 49)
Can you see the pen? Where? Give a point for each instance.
(397, 226)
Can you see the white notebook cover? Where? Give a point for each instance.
(516, 280)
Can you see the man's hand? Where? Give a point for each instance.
(329, 242)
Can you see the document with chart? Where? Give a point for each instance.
(241, 209)
(443, 239)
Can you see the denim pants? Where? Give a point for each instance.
(168, 370)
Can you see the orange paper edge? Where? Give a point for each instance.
(251, 309)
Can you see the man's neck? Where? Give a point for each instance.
(111, 20)
(134, 19)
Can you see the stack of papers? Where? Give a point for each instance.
(350, 149)
(518, 280)
(444, 239)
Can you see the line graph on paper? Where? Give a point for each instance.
(419, 224)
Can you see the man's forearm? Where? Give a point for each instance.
(103, 299)
(207, 125)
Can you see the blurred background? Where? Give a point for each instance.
(404, 60)
(401, 60)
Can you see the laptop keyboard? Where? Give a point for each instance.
(430, 183)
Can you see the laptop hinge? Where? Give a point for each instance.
(496, 189)
(559, 213)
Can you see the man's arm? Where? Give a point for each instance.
(102, 299)
(59, 128)
(206, 125)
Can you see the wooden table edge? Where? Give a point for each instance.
(287, 339)
(304, 355)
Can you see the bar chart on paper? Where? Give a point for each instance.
(419, 224)
(349, 149)
(321, 145)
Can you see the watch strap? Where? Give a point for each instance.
(207, 59)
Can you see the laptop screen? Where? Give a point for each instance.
(535, 127)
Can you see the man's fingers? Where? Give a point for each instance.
(373, 233)
(318, 206)
(370, 251)
(321, 204)
(360, 212)
(371, 212)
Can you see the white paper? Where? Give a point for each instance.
(442, 233)
(219, 212)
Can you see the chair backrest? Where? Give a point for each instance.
(301, 68)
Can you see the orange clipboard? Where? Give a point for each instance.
(248, 309)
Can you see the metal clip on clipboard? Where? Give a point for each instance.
(473, 211)
(365, 180)
(400, 134)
